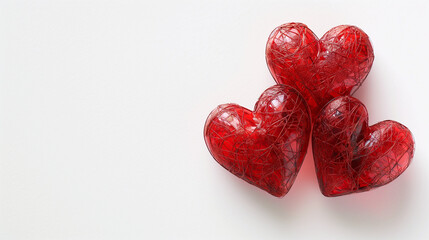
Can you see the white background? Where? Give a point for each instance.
(102, 107)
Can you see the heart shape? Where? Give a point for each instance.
(320, 70)
(351, 156)
(265, 147)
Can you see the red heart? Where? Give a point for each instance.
(265, 147)
(351, 156)
(320, 69)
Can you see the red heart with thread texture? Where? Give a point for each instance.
(351, 156)
(264, 147)
(320, 70)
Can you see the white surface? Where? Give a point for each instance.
(102, 107)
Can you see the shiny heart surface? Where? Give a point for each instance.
(264, 147)
(320, 70)
(351, 156)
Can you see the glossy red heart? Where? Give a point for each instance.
(351, 156)
(320, 70)
(264, 147)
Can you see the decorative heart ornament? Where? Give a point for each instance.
(320, 70)
(351, 156)
(264, 147)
